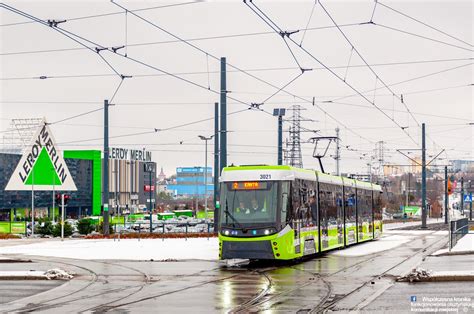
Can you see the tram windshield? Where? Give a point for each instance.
(249, 203)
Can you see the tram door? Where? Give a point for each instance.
(296, 214)
(302, 215)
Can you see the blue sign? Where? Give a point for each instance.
(413, 298)
(467, 198)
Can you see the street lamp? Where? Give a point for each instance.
(205, 139)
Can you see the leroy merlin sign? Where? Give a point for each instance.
(42, 166)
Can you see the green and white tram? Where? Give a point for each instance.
(284, 213)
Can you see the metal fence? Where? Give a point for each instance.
(183, 228)
(459, 228)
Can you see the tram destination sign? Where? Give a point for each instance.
(42, 166)
(129, 154)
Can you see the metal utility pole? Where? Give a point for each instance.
(216, 161)
(150, 168)
(54, 195)
(151, 205)
(470, 204)
(33, 203)
(280, 140)
(338, 156)
(205, 139)
(223, 131)
(105, 197)
(423, 177)
(280, 112)
(62, 217)
(446, 195)
(462, 196)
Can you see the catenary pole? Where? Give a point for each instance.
(54, 194)
(205, 177)
(62, 217)
(105, 192)
(33, 204)
(446, 195)
(338, 157)
(462, 196)
(423, 177)
(151, 202)
(280, 140)
(223, 100)
(470, 196)
(216, 162)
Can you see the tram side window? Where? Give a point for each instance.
(377, 205)
(327, 205)
(350, 204)
(285, 202)
(364, 206)
(369, 208)
(303, 190)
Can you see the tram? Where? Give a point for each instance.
(284, 213)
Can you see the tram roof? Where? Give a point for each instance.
(285, 172)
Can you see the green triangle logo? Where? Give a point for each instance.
(43, 171)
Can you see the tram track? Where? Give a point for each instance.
(95, 279)
(329, 299)
(322, 308)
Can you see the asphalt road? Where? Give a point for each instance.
(325, 283)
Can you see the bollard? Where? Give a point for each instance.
(186, 235)
(139, 230)
(208, 230)
(163, 237)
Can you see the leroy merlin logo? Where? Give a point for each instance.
(41, 166)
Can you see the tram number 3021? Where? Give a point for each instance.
(265, 177)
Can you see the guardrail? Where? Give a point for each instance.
(185, 228)
(459, 228)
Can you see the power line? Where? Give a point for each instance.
(408, 80)
(56, 28)
(423, 23)
(156, 130)
(174, 41)
(335, 74)
(108, 14)
(44, 77)
(367, 64)
(77, 115)
(420, 36)
(230, 65)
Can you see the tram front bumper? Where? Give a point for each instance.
(261, 250)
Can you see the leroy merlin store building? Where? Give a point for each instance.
(129, 187)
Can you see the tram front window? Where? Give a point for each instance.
(247, 204)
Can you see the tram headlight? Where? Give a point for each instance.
(226, 232)
(267, 232)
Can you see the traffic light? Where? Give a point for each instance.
(66, 198)
(450, 187)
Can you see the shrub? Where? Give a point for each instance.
(46, 228)
(84, 226)
(101, 228)
(67, 230)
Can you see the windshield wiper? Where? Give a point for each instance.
(231, 216)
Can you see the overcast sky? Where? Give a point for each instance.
(398, 49)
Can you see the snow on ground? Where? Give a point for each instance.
(126, 249)
(465, 244)
(397, 225)
(22, 273)
(383, 244)
(408, 232)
